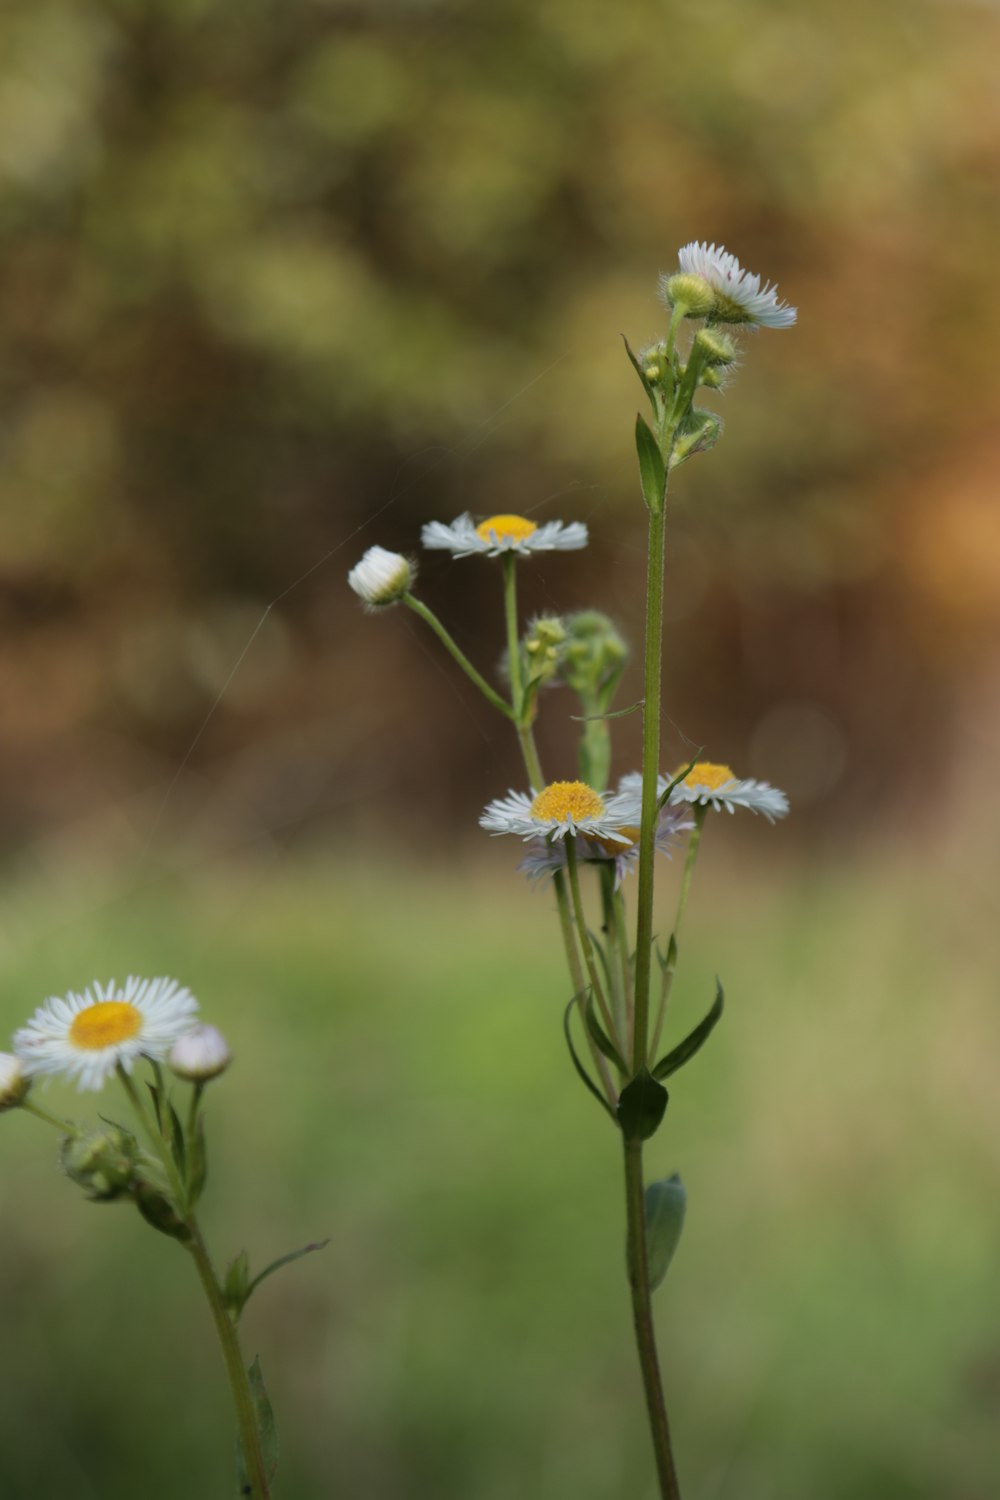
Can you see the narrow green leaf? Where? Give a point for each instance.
(235, 1287)
(584, 1076)
(177, 1141)
(283, 1260)
(198, 1158)
(666, 1203)
(637, 367)
(662, 802)
(602, 1040)
(685, 1050)
(266, 1428)
(619, 713)
(157, 1104)
(641, 1107)
(668, 960)
(651, 470)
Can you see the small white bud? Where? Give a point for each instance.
(14, 1081)
(200, 1054)
(381, 577)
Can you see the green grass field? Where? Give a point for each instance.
(830, 1327)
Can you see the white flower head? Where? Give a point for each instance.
(499, 534)
(85, 1036)
(200, 1054)
(739, 296)
(545, 856)
(715, 786)
(381, 577)
(14, 1081)
(561, 808)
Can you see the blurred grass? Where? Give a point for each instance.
(829, 1327)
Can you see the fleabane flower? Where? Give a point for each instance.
(200, 1054)
(85, 1036)
(710, 785)
(558, 810)
(545, 856)
(739, 295)
(381, 577)
(14, 1082)
(499, 534)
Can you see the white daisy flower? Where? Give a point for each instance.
(739, 296)
(499, 534)
(85, 1036)
(561, 808)
(14, 1081)
(381, 577)
(544, 857)
(715, 786)
(200, 1054)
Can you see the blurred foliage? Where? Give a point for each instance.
(280, 280)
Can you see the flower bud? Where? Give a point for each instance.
(103, 1162)
(200, 1054)
(544, 643)
(688, 290)
(14, 1082)
(700, 431)
(382, 577)
(595, 654)
(714, 346)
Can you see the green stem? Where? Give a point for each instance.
(621, 930)
(650, 772)
(431, 619)
(65, 1126)
(246, 1416)
(156, 1139)
(642, 1315)
(694, 843)
(619, 983)
(585, 943)
(513, 639)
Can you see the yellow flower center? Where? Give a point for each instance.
(567, 799)
(104, 1025)
(709, 776)
(505, 529)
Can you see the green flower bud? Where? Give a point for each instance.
(700, 431)
(595, 653)
(103, 1162)
(714, 346)
(710, 378)
(688, 290)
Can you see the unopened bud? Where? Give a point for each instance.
(103, 1163)
(700, 432)
(688, 290)
(200, 1054)
(595, 653)
(381, 577)
(14, 1081)
(714, 346)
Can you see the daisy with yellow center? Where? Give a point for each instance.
(545, 857)
(710, 785)
(86, 1036)
(503, 533)
(561, 808)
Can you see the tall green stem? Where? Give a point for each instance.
(642, 1316)
(694, 843)
(650, 772)
(513, 639)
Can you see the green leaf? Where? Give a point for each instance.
(236, 1287)
(685, 1050)
(198, 1160)
(619, 713)
(641, 1106)
(157, 1102)
(666, 1203)
(651, 470)
(266, 1428)
(158, 1211)
(602, 1040)
(662, 801)
(637, 367)
(668, 960)
(178, 1142)
(283, 1260)
(584, 1076)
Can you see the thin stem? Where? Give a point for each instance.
(431, 619)
(513, 639)
(585, 943)
(694, 843)
(246, 1416)
(621, 931)
(618, 977)
(65, 1126)
(650, 771)
(642, 1315)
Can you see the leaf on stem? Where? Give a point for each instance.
(642, 1106)
(177, 1141)
(662, 801)
(666, 1202)
(266, 1429)
(602, 1040)
(619, 713)
(283, 1260)
(685, 1050)
(584, 1076)
(652, 473)
(637, 367)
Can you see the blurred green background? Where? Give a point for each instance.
(278, 282)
